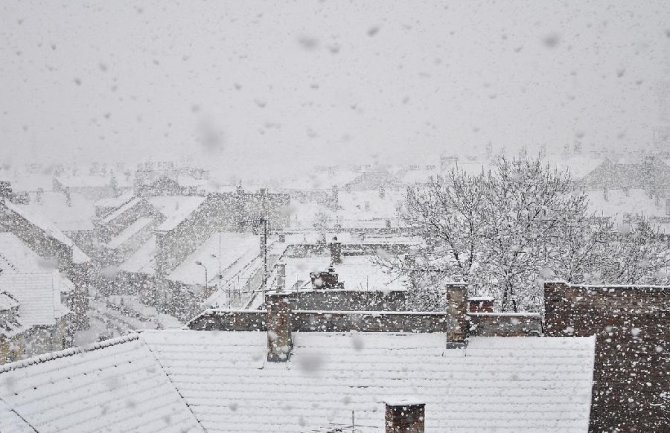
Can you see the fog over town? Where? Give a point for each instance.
(322, 216)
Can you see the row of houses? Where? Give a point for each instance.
(596, 360)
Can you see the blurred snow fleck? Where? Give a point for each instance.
(551, 40)
(308, 43)
(310, 363)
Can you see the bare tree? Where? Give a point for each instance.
(504, 231)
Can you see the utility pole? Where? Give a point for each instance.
(199, 263)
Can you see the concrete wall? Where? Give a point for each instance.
(632, 329)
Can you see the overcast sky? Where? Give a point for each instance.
(259, 84)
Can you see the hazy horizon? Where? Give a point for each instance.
(262, 87)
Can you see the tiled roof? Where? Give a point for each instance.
(182, 380)
(116, 386)
(11, 422)
(495, 384)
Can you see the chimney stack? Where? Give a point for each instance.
(457, 323)
(483, 304)
(405, 418)
(335, 252)
(279, 327)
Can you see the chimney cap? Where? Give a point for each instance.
(480, 298)
(404, 402)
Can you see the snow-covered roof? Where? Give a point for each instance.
(38, 296)
(522, 384)
(143, 260)
(16, 256)
(7, 302)
(84, 181)
(183, 380)
(619, 202)
(11, 422)
(32, 281)
(129, 232)
(78, 215)
(121, 209)
(113, 386)
(356, 272)
(49, 229)
(175, 208)
(235, 248)
(115, 201)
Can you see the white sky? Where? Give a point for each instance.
(262, 85)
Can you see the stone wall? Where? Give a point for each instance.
(632, 365)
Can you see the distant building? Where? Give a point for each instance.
(650, 174)
(34, 298)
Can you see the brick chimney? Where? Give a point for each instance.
(279, 327)
(457, 323)
(481, 304)
(335, 252)
(405, 417)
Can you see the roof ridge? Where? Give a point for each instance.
(38, 359)
(169, 378)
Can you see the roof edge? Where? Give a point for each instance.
(49, 356)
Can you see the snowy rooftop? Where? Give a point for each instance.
(220, 251)
(16, 256)
(126, 234)
(115, 201)
(356, 272)
(114, 386)
(181, 380)
(49, 229)
(124, 206)
(38, 296)
(73, 216)
(143, 260)
(175, 208)
(635, 202)
(84, 181)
